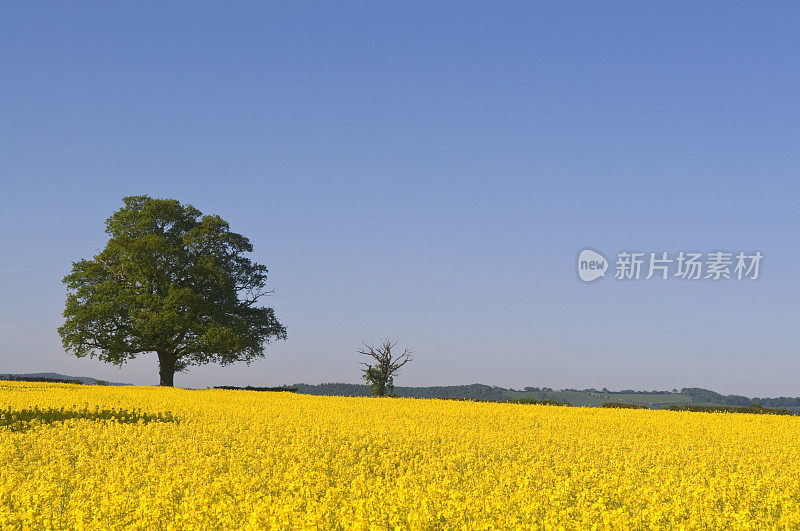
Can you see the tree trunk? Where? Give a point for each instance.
(166, 368)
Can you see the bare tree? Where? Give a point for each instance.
(380, 375)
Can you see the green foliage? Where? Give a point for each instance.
(24, 419)
(752, 408)
(700, 395)
(17, 378)
(173, 281)
(622, 405)
(783, 401)
(706, 397)
(481, 392)
(377, 382)
(333, 389)
(539, 402)
(476, 392)
(250, 388)
(458, 392)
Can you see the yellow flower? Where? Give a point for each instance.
(89, 457)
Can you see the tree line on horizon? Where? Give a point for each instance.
(697, 395)
(700, 399)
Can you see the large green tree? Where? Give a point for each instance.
(170, 281)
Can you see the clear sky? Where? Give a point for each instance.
(426, 171)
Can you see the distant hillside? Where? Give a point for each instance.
(693, 396)
(686, 397)
(704, 396)
(471, 392)
(44, 376)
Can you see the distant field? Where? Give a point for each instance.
(583, 398)
(576, 398)
(100, 457)
(650, 399)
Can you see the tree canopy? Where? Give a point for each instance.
(172, 281)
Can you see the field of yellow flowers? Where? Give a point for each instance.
(89, 457)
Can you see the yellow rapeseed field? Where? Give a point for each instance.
(94, 457)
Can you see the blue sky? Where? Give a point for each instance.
(425, 171)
